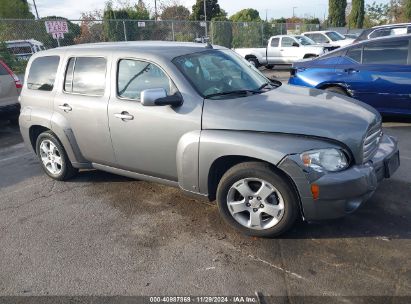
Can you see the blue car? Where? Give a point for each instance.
(377, 72)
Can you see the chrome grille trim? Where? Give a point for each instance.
(371, 142)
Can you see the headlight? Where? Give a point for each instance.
(325, 160)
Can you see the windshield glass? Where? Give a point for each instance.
(334, 36)
(220, 72)
(304, 40)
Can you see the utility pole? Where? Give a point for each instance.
(155, 10)
(35, 8)
(294, 7)
(205, 17)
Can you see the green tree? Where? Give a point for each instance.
(175, 12)
(336, 12)
(376, 14)
(212, 7)
(18, 9)
(246, 15)
(407, 10)
(115, 24)
(356, 17)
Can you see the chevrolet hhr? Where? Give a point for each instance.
(201, 118)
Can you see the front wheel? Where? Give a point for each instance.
(53, 157)
(254, 62)
(337, 90)
(256, 200)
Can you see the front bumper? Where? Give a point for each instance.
(342, 192)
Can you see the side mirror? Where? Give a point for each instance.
(158, 97)
(295, 44)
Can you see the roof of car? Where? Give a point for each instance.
(389, 38)
(317, 32)
(161, 48)
(391, 25)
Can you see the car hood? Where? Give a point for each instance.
(295, 110)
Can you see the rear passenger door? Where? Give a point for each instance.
(81, 104)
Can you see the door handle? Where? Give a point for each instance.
(124, 116)
(351, 71)
(65, 107)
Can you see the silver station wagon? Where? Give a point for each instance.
(201, 118)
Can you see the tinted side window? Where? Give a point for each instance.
(355, 54)
(377, 53)
(42, 73)
(86, 75)
(275, 42)
(135, 76)
(287, 42)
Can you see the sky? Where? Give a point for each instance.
(72, 9)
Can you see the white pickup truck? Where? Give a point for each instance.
(282, 50)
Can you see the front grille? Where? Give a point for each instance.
(371, 142)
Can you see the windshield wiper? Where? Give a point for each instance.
(237, 92)
(264, 86)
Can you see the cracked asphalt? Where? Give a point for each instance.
(102, 234)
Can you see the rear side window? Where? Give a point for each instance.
(86, 75)
(355, 54)
(42, 73)
(376, 53)
(275, 42)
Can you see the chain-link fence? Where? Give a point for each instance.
(13, 33)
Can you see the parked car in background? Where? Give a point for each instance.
(23, 49)
(351, 36)
(377, 72)
(281, 50)
(203, 119)
(385, 30)
(331, 38)
(10, 87)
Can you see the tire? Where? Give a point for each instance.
(269, 66)
(310, 56)
(337, 90)
(277, 197)
(254, 61)
(53, 157)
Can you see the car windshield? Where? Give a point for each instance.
(304, 40)
(221, 73)
(334, 36)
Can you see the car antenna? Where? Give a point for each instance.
(208, 45)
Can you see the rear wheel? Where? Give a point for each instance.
(53, 157)
(337, 90)
(256, 200)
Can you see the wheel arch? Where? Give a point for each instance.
(224, 163)
(341, 85)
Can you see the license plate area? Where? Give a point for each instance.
(392, 164)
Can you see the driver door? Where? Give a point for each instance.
(145, 138)
(289, 51)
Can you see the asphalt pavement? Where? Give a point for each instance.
(102, 234)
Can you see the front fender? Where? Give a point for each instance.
(268, 147)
